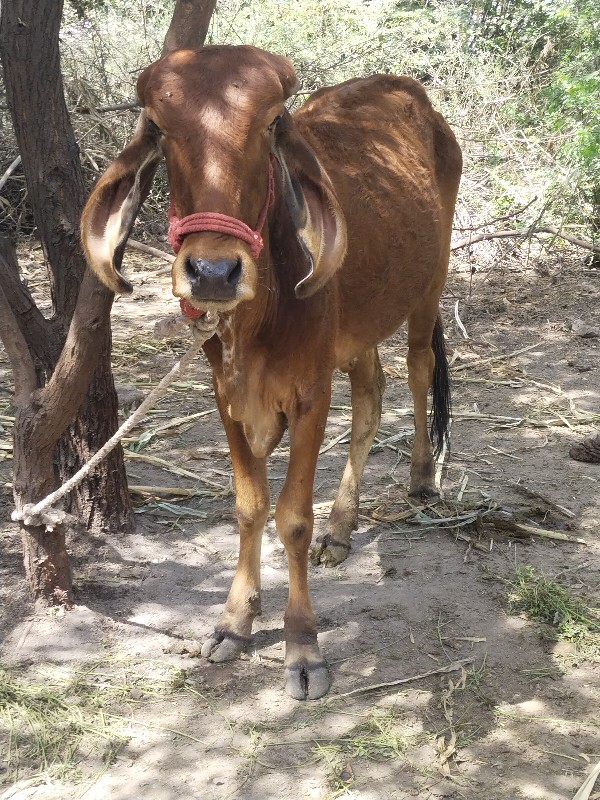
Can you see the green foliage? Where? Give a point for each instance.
(559, 44)
(519, 81)
(83, 7)
(573, 103)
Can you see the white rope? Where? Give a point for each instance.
(42, 513)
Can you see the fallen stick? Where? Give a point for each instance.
(335, 441)
(166, 490)
(503, 521)
(463, 537)
(500, 357)
(186, 473)
(453, 667)
(378, 516)
(530, 530)
(151, 251)
(589, 783)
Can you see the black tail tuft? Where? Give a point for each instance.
(442, 402)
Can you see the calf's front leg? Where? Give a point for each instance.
(306, 673)
(232, 634)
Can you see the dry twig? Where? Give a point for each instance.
(453, 667)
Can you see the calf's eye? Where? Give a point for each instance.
(273, 125)
(154, 127)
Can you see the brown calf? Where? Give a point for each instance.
(357, 192)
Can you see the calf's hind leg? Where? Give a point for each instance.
(367, 383)
(425, 330)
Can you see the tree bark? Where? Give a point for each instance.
(49, 151)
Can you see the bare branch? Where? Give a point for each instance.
(595, 248)
(9, 171)
(480, 237)
(130, 105)
(505, 217)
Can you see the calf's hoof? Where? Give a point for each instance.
(305, 680)
(224, 646)
(329, 551)
(423, 494)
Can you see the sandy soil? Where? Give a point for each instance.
(519, 720)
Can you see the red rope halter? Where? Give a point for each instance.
(222, 223)
(219, 223)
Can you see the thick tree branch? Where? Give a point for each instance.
(39, 333)
(19, 356)
(67, 387)
(189, 25)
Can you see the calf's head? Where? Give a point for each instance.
(218, 117)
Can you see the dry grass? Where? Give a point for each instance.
(552, 602)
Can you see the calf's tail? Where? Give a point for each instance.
(441, 411)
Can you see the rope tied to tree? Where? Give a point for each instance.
(43, 512)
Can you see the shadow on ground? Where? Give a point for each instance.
(518, 720)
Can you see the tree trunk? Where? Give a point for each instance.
(102, 502)
(31, 61)
(189, 25)
(50, 391)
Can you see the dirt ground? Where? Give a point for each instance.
(518, 719)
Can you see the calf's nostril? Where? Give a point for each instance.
(193, 268)
(213, 280)
(235, 273)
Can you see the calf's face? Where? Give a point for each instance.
(216, 126)
(217, 116)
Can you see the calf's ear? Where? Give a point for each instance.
(314, 208)
(114, 203)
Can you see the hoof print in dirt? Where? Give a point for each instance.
(305, 681)
(588, 450)
(329, 551)
(224, 646)
(189, 647)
